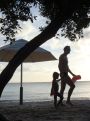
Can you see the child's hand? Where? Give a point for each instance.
(58, 80)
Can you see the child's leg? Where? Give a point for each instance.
(55, 101)
(59, 95)
(60, 101)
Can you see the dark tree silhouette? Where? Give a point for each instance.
(69, 15)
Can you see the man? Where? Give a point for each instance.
(65, 79)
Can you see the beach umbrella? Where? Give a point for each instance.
(7, 52)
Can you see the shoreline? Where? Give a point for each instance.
(47, 100)
(43, 111)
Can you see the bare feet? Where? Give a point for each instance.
(60, 103)
(69, 103)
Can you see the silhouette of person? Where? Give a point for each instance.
(65, 78)
(55, 88)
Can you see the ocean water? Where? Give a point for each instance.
(40, 91)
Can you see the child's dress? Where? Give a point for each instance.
(54, 88)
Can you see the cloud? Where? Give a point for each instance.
(28, 31)
(86, 33)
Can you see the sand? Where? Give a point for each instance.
(45, 111)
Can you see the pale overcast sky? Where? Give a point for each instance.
(79, 58)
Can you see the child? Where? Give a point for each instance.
(55, 88)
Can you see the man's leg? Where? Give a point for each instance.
(63, 85)
(72, 86)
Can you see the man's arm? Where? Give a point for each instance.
(71, 72)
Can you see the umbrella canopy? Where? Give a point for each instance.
(7, 53)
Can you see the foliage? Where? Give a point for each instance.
(11, 12)
(14, 10)
(73, 26)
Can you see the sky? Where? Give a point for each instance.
(79, 57)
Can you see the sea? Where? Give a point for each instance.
(40, 91)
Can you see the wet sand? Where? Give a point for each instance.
(45, 111)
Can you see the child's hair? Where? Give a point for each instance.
(55, 75)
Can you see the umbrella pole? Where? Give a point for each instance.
(21, 87)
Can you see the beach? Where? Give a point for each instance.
(38, 104)
(45, 111)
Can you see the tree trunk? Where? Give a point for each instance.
(47, 34)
